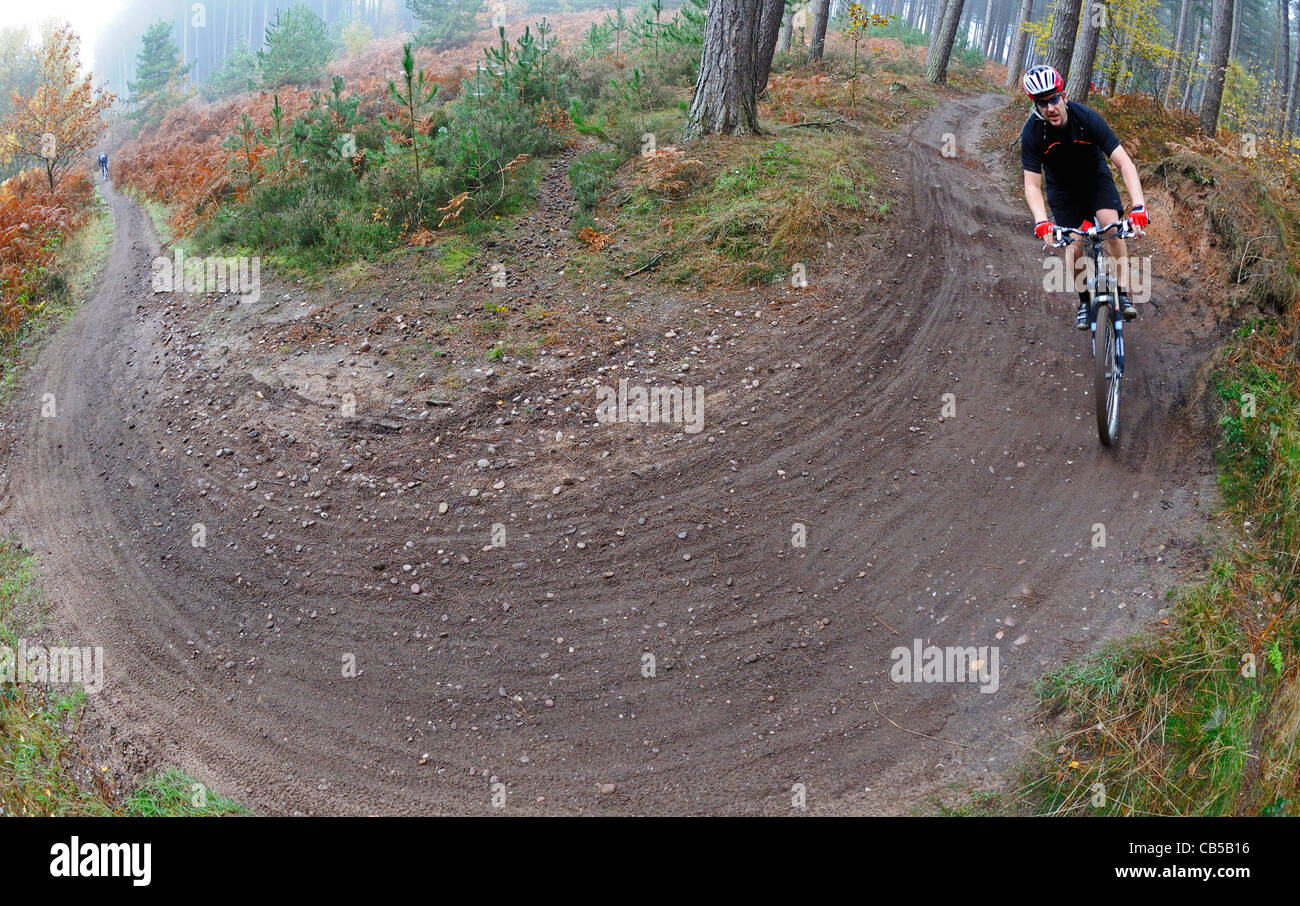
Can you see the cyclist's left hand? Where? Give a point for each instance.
(1138, 216)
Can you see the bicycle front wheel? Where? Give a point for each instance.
(1106, 377)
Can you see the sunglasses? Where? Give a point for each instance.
(1044, 103)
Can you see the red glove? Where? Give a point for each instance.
(1042, 228)
(1138, 216)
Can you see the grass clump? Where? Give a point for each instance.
(761, 207)
(592, 175)
(172, 794)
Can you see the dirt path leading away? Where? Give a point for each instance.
(525, 662)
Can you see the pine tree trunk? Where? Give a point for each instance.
(1009, 23)
(787, 29)
(724, 101)
(1194, 64)
(1236, 31)
(934, 32)
(821, 15)
(1284, 68)
(987, 28)
(769, 26)
(991, 28)
(225, 30)
(1180, 46)
(1060, 44)
(1016, 56)
(928, 13)
(998, 33)
(1085, 51)
(1277, 38)
(1295, 90)
(1004, 24)
(936, 64)
(1221, 17)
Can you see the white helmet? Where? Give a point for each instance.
(1042, 80)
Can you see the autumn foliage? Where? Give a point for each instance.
(33, 224)
(63, 115)
(183, 163)
(325, 175)
(52, 125)
(668, 171)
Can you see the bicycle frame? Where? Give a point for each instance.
(1104, 292)
(1101, 288)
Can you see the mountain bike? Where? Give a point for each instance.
(1105, 322)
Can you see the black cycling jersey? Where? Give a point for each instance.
(1075, 154)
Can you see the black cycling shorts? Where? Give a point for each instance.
(1074, 204)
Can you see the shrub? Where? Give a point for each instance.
(324, 176)
(33, 225)
(966, 54)
(591, 174)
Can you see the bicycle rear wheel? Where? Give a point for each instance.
(1106, 378)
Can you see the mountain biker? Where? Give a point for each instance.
(1065, 145)
(103, 163)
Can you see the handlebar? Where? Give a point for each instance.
(1125, 229)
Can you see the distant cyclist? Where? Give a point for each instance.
(1066, 144)
(103, 163)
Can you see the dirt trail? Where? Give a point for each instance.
(525, 662)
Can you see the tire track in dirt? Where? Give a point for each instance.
(772, 661)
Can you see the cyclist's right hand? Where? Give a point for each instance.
(1043, 228)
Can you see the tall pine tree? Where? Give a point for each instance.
(297, 48)
(160, 73)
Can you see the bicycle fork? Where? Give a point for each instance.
(1117, 322)
(1111, 301)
